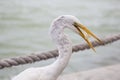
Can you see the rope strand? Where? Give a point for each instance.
(51, 54)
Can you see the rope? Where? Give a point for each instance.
(54, 53)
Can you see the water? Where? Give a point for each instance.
(24, 28)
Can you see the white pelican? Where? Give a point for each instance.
(64, 46)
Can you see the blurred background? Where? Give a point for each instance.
(24, 26)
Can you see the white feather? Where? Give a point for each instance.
(63, 43)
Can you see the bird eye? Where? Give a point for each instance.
(75, 24)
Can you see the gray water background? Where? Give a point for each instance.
(24, 26)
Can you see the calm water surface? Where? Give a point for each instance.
(24, 26)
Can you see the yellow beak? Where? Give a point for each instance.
(79, 27)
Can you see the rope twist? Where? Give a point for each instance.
(51, 54)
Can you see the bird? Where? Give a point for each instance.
(64, 46)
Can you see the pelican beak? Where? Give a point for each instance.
(81, 28)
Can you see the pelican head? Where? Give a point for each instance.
(71, 22)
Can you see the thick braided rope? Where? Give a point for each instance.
(51, 54)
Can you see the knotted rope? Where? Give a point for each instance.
(54, 53)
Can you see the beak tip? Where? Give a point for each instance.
(79, 27)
